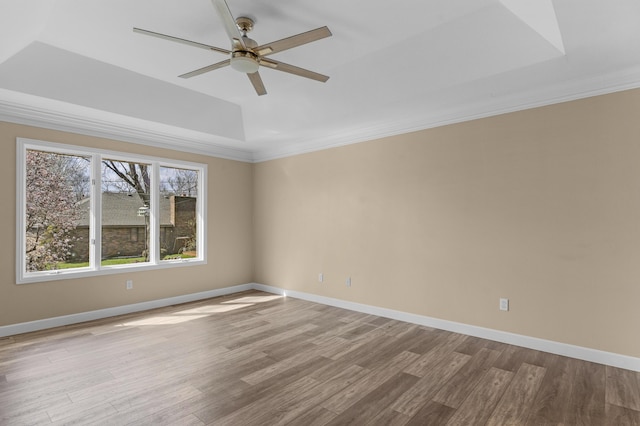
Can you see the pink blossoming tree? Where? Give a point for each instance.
(51, 211)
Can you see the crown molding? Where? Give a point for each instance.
(38, 112)
(555, 94)
(33, 111)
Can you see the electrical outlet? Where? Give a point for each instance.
(129, 284)
(348, 282)
(504, 304)
(320, 277)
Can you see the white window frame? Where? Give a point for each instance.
(95, 244)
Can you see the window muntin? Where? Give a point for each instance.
(92, 241)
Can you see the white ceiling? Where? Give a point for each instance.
(395, 66)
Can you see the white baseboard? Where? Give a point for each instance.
(26, 327)
(578, 352)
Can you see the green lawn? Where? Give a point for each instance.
(118, 261)
(106, 262)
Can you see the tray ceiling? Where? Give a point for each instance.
(393, 66)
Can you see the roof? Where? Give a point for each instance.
(121, 209)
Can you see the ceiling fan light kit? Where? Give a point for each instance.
(246, 55)
(246, 62)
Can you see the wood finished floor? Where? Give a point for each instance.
(257, 359)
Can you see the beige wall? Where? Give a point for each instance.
(540, 206)
(229, 240)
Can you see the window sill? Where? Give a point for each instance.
(67, 274)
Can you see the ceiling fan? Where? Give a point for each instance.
(246, 55)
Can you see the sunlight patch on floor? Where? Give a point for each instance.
(163, 320)
(254, 299)
(201, 311)
(215, 309)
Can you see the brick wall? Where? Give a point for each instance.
(80, 250)
(119, 242)
(183, 218)
(129, 240)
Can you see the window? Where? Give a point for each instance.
(126, 201)
(84, 212)
(57, 185)
(178, 188)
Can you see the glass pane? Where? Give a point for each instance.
(126, 199)
(57, 211)
(178, 219)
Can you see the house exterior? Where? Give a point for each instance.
(124, 226)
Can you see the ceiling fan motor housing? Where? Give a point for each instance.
(242, 60)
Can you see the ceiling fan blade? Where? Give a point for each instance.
(293, 41)
(281, 66)
(229, 22)
(181, 40)
(256, 80)
(208, 68)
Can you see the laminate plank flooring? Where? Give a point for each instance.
(253, 358)
(515, 406)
